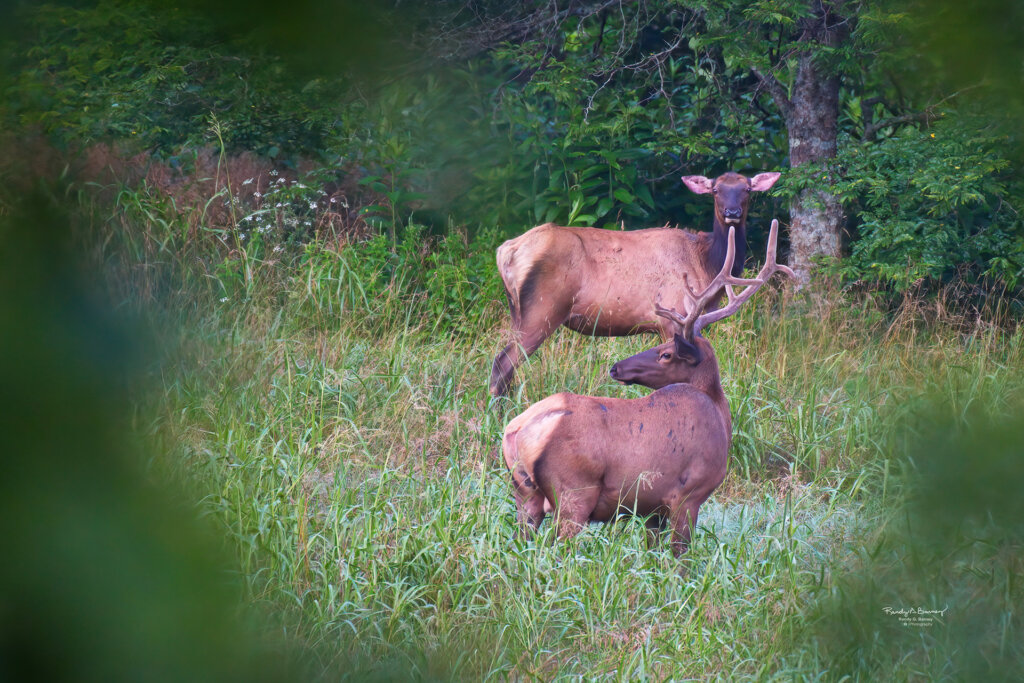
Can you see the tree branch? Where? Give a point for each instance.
(778, 93)
(458, 37)
(871, 129)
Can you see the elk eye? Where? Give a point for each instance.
(666, 356)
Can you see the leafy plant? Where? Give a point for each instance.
(151, 74)
(446, 286)
(930, 204)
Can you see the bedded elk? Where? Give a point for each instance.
(587, 459)
(606, 282)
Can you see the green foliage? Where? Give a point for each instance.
(769, 35)
(930, 205)
(446, 286)
(590, 124)
(587, 124)
(151, 74)
(601, 124)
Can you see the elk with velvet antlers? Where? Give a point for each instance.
(587, 459)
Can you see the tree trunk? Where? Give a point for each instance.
(811, 111)
(816, 216)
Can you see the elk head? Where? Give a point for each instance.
(688, 357)
(676, 361)
(732, 193)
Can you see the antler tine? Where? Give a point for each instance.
(736, 300)
(773, 238)
(670, 313)
(697, 302)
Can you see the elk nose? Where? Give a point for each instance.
(733, 213)
(614, 372)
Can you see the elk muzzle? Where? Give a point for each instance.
(618, 374)
(732, 216)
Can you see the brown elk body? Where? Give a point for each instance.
(589, 459)
(606, 282)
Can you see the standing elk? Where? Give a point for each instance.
(606, 282)
(587, 459)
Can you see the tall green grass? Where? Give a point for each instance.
(333, 418)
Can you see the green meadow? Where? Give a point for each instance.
(340, 435)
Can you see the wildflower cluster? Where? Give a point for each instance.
(281, 210)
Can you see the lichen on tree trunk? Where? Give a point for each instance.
(816, 219)
(816, 216)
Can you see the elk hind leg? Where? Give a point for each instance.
(655, 524)
(534, 327)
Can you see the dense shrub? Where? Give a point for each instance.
(152, 75)
(927, 205)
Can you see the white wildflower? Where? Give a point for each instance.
(247, 182)
(257, 195)
(224, 300)
(273, 171)
(312, 205)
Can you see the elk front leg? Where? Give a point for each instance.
(574, 508)
(529, 503)
(504, 367)
(655, 524)
(683, 525)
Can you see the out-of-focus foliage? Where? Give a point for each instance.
(974, 47)
(108, 575)
(152, 75)
(938, 591)
(420, 146)
(585, 117)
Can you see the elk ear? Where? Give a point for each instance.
(691, 352)
(764, 181)
(697, 183)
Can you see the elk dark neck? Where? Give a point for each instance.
(707, 380)
(720, 244)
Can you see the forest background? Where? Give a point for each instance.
(254, 243)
